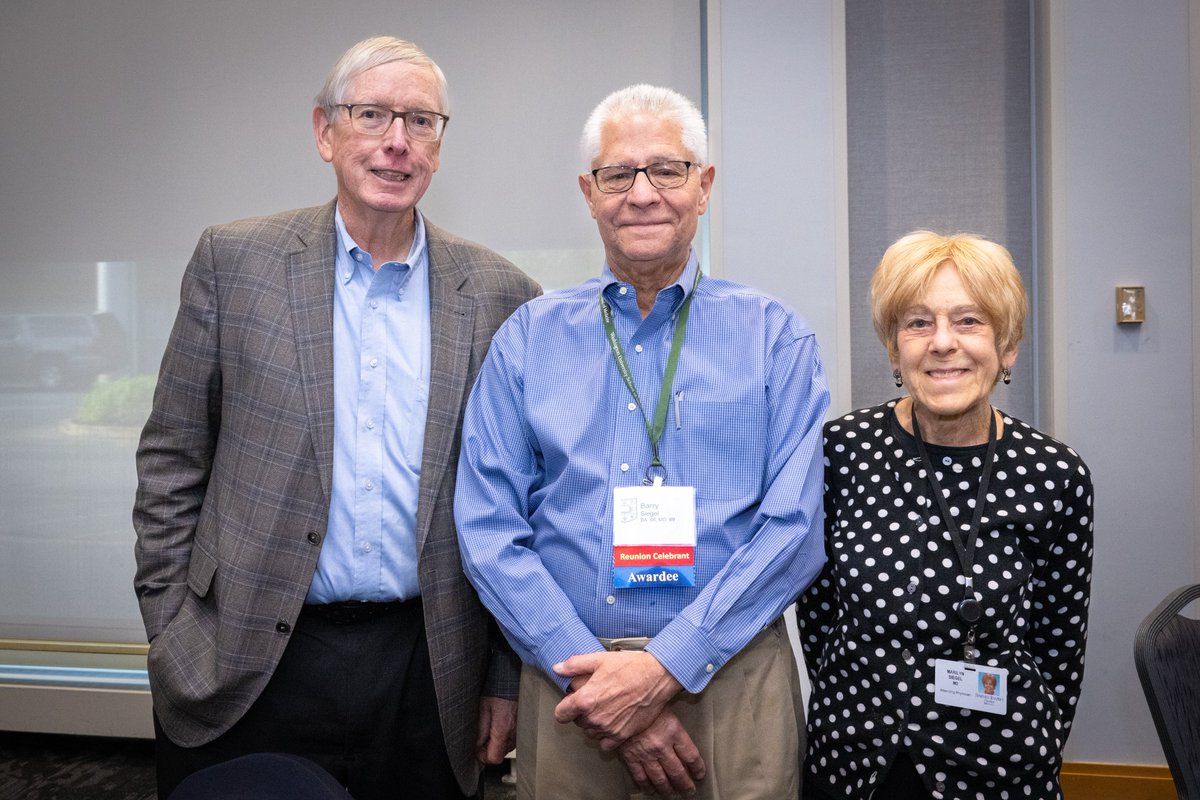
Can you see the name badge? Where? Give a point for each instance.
(973, 686)
(654, 536)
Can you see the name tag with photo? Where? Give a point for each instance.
(974, 686)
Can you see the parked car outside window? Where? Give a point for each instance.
(57, 351)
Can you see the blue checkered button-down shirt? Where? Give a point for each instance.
(550, 430)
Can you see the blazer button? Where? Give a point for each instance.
(314, 537)
(283, 627)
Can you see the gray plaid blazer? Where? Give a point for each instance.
(235, 464)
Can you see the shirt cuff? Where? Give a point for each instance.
(687, 653)
(572, 639)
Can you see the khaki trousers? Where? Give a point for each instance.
(748, 724)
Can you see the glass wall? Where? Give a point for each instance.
(131, 125)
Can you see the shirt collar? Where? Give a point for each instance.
(350, 249)
(684, 281)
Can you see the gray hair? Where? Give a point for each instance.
(371, 53)
(645, 99)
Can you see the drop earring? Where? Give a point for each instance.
(896, 377)
(1006, 376)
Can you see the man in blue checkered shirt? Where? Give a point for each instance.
(639, 493)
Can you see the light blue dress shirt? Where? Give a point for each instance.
(381, 343)
(550, 429)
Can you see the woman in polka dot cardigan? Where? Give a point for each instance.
(910, 610)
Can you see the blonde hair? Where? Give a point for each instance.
(985, 268)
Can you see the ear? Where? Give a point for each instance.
(1008, 359)
(707, 175)
(322, 132)
(587, 187)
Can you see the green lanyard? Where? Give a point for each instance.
(655, 431)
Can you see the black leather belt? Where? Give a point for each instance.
(350, 612)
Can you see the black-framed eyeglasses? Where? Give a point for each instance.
(661, 174)
(373, 120)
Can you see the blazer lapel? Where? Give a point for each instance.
(310, 285)
(452, 322)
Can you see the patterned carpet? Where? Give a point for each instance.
(44, 767)
(36, 766)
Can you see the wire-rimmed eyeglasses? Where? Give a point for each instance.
(661, 174)
(373, 120)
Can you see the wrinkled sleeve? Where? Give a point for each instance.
(1061, 594)
(816, 609)
(499, 468)
(175, 453)
(784, 551)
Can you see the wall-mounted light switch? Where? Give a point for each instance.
(1131, 304)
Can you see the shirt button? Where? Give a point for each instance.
(912, 586)
(709, 668)
(610, 599)
(623, 290)
(366, 547)
(374, 362)
(283, 627)
(370, 424)
(358, 257)
(369, 485)
(632, 406)
(624, 468)
(637, 347)
(947, 461)
(907, 656)
(374, 304)
(939, 786)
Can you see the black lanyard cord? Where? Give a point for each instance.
(968, 609)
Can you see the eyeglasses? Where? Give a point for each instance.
(661, 174)
(372, 120)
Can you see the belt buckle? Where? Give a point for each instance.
(626, 643)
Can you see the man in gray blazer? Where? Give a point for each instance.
(297, 565)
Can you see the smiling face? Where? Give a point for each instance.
(946, 354)
(381, 177)
(646, 231)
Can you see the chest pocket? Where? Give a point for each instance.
(719, 448)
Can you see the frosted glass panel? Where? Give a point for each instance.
(130, 125)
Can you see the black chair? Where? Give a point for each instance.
(1167, 654)
(261, 776)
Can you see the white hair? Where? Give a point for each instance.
(371, 53)
(645, 99)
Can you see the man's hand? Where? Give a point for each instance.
(663, 759)
(497, 729)
(624, 692)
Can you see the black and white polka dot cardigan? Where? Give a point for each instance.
(882, 610)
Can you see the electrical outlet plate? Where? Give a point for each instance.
(1131, 304)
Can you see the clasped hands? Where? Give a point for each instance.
(619, 700)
